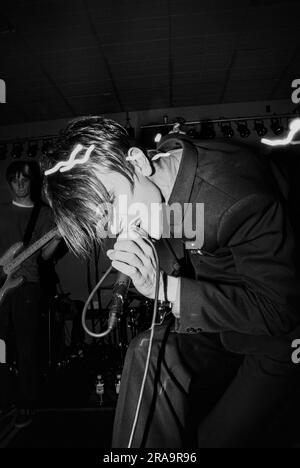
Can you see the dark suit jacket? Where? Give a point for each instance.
(243, 280)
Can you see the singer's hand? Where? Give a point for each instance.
(135, 258)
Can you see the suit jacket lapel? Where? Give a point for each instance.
(184, 183)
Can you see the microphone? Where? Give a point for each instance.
(119, 295)
(121, 287)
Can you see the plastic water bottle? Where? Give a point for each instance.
(118, 384)
(100, 389)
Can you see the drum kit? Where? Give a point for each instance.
(135, 319)
(74, 357)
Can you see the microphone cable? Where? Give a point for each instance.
(86, 306)
(138, 407)
(152, 329)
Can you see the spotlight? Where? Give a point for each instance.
(17, 150)
(151, 136)
(157, 137)
(276, 126)
(243, 129)
(294, 128)
(179, 120)
(227, 130)
(208, 131)
(32, 149)
(177, 128)
(260, 128)
(3, 151)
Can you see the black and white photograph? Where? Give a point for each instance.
(149, 227)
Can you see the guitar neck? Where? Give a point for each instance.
(22, 257)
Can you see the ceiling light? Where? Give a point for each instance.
(294, 127)
(260, 128)
(227, 130)
(157, 137)
(276, 126)
(243, 129)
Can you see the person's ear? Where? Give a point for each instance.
(140, 161)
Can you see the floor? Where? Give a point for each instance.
(63, 428)
(69, 414)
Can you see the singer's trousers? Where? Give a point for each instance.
(197, 394)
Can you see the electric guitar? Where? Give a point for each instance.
(13, 258)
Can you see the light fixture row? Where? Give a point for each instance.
(24, 149)
(208, 130)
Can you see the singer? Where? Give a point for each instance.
(221, 369)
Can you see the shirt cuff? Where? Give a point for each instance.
(171, 293)
(175, 287)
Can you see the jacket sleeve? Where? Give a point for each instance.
(261, 298)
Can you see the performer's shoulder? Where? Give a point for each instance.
(235, 169)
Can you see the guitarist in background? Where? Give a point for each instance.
(25, 219)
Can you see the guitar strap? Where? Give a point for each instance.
(31, 224)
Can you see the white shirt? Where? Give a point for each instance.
(166, 169)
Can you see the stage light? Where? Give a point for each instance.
(294, 127)
(3, 151)
(150, 137)
(207, 131)
(276, 126)
(243, 129)
(32, 149)
(260, 128)
(179, 120)
(17, 151)
(157, 137)
(227, 130)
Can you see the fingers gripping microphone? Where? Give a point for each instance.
(119, 295)
(121, 287)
